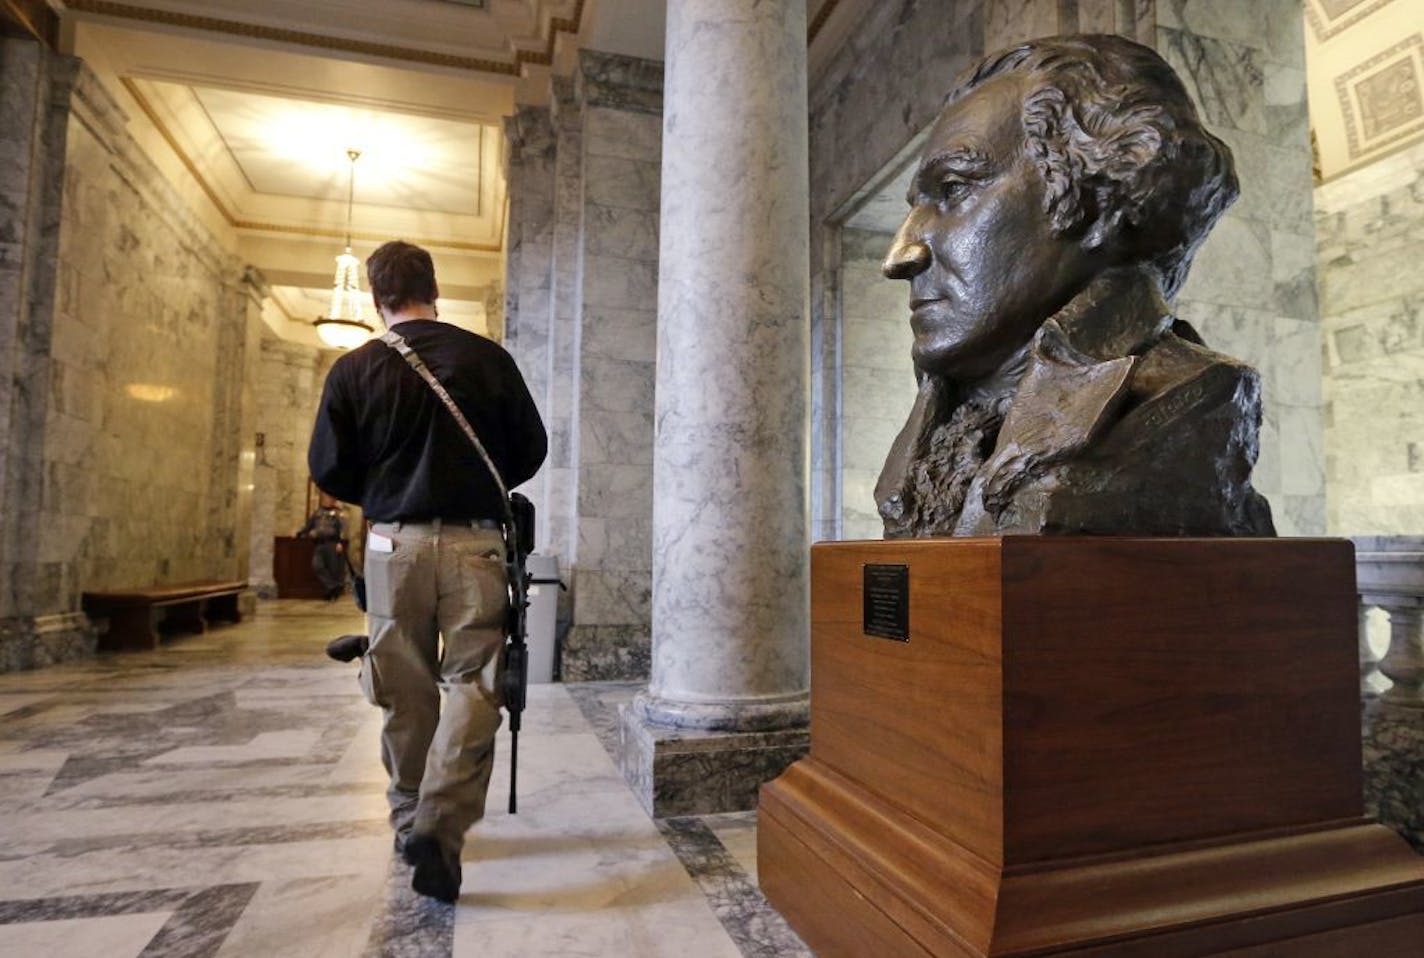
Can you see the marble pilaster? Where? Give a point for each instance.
(729, 477)
(617, 104)
(581, 279)
(288, 380)
(529, 258)
(37, 627)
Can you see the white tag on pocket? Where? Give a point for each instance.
(379, 543)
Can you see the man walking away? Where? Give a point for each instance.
(435, 575)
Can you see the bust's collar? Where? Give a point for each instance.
(1119, 313)
(1078, 373)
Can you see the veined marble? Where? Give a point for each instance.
(1369, 223)
(224, 796)
(288, 382)
(730, 579)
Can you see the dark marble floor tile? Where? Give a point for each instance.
(201, 924)
(756, 928)
(410, 925)
(599, 703)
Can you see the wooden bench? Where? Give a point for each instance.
(136, 615)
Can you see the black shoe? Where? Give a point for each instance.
(348, 647)
(437, 872)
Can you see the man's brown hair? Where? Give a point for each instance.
(400, 274)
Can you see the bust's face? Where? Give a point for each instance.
(984, 265)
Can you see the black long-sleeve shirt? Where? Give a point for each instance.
(383, 439)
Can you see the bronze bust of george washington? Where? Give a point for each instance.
(1062, 193)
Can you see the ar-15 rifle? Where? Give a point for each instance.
(518, 543)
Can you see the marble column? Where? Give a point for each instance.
(727, 704)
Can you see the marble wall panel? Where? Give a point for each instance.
(1370, 230)
(617, 180)
(877, 379)
(624, 134)
(161, 303)
(617, 436)
(1244, 69)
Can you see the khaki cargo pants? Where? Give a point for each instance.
(440, 581)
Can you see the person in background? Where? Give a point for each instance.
(327, 528)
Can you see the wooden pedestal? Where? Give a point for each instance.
(292, 568)
(1106, 747)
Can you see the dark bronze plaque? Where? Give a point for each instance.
(886, 589)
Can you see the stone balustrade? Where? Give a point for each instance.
(1389, 574)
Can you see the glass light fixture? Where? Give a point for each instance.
(342, 327)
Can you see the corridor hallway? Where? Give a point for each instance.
(223, 796)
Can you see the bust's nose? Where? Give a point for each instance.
(908, 257)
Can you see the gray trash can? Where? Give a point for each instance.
(544, 584)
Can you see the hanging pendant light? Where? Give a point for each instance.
(342, 326)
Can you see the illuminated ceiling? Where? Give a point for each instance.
(294, 148)
(278, 164)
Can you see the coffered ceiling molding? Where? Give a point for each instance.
(1330, 17)
(498, 37)
(1365, 74)
(1382, 99)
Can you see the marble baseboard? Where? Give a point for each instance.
(33, 642)
(1394, 767)
(247, 602)
(604, 653)
(688, 772)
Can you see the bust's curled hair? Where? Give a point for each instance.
(1117, 140)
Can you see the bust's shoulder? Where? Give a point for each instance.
(1177, 363)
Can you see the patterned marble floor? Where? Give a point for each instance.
(223, 797)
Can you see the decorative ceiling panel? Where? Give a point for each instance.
(1365, 73)
(1329, 17)
(1382, 99)
(297, 148)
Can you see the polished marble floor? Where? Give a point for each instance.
(223, 796)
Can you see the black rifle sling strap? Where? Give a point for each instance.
(516, 664)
